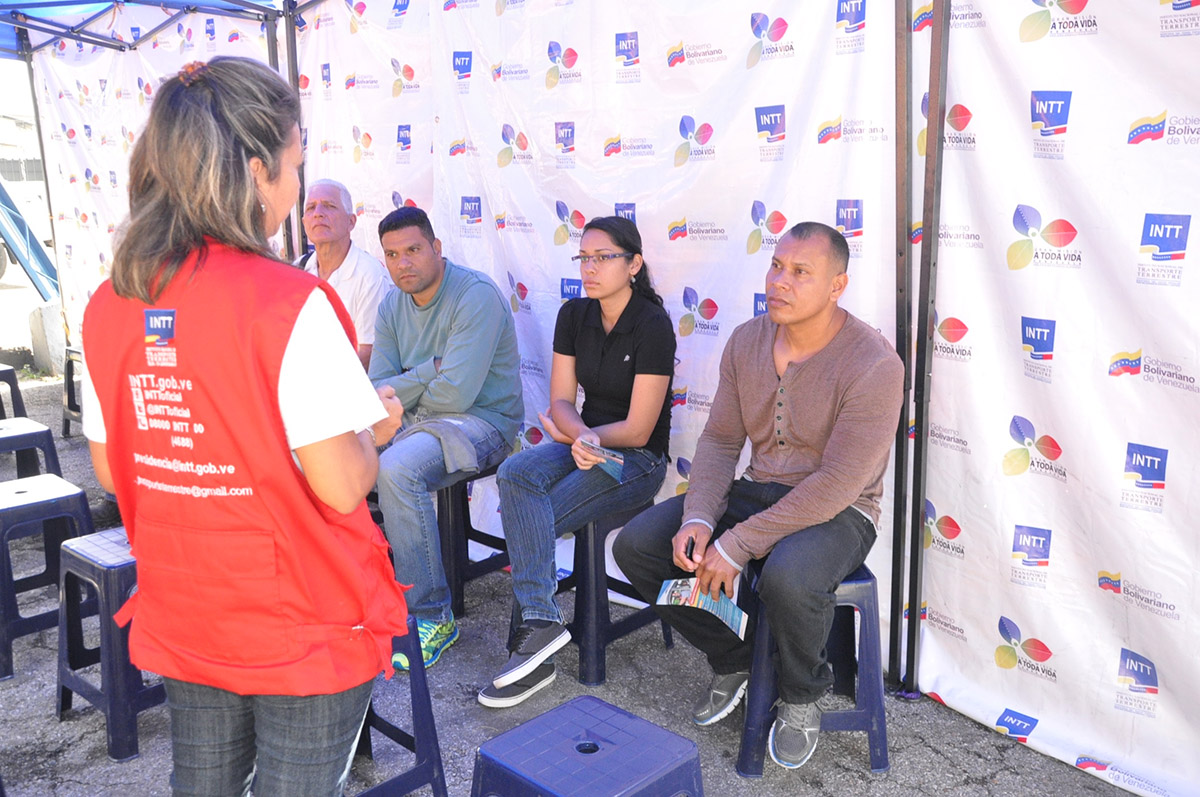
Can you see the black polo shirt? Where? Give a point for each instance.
(641, 342)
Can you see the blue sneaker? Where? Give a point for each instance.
(435, 638)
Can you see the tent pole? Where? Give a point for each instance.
(293, 73)
(903, 151)
(27, 56)
(272, 22)
(931, 211)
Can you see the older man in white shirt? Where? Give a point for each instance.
(359, 279)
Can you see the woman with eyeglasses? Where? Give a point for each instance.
(618, 344)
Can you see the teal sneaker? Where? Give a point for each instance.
(435, 637)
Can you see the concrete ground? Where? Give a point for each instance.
(933, 750)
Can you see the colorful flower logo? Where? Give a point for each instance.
(513, 139)
(683, 467)
(399, 201)
(951, 329)
(765, 31)
(706, 309)
(690, 133)
(1006, 654)
(519, 292)
(404, 74)
(559, 59)
(1017, 460)
(1028, 222)
(1037, 25)
(569, 218)
(958, 117)
(774, 224)
(362, 143)
(945, 525)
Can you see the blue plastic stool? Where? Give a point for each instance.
(455, 529)
(103, 561)
(587, 747)
(26, 437)
(422, 741)
(25, 505)
(9, 374)
(857, 591)
(592, 628)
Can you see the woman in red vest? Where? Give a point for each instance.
(227, 410)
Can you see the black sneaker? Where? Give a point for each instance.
(722, 697)
(519, 692)
(535, 641)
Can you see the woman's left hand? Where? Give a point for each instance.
(552, 429)
(584, 459)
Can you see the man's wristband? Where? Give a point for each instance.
(371, 431)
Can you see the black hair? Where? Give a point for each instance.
(839, 250)
(624, 233)
(407, 216)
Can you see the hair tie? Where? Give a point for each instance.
(192, 72)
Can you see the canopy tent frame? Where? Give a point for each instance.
(17, 17)
(908, 485)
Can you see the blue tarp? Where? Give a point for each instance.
(56, 19)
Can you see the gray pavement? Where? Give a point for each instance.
(933, 750)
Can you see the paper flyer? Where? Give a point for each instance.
(683, 592)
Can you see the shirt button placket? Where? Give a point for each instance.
(779, 421)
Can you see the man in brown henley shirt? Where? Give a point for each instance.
(817, 392)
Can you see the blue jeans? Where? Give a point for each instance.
(799, 577)
(409, 471)
(221, 742)
(543, 495)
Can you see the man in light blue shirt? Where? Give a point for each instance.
(447, 345)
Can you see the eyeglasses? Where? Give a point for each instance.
(598, 259)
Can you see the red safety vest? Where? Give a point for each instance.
(246, 580)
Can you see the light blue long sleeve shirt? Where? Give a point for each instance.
(469, 325)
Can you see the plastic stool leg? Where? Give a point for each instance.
(121, 680)
(839, 651)
(870, 683)
(761, 694)
(591, 604)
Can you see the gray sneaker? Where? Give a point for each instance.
(535, 641)
(794, 734)
(722, 697)
(519, 692)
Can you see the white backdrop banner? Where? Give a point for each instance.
(1060, 581)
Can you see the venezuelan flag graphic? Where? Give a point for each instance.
(679, 396)
(923, 18)
(612, 146)
(501, 221)
(1125, 362)
(350, 80)
(677, 230)
(458, 147)
(828, 131)
(1109, 581)
(675, 55)
(1149, 128)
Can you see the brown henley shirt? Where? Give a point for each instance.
(825, 428)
